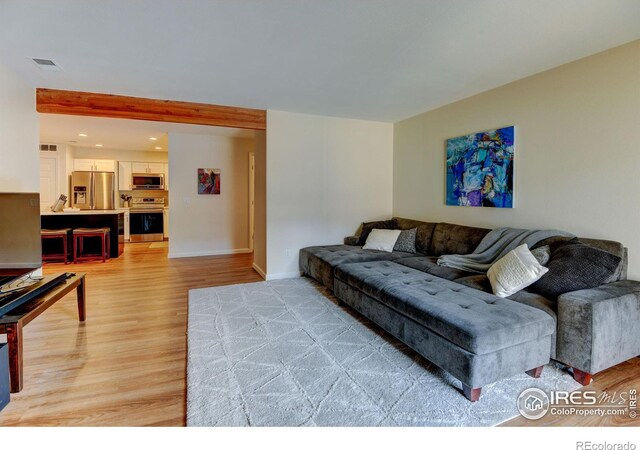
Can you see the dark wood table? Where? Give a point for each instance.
(11, 324)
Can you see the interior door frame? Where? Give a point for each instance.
(252, 197)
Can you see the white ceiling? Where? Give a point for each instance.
(121, 134)
(375, 59)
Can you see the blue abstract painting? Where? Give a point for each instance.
(480, 169)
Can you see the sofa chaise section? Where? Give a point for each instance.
(320, 262)
(477, 337)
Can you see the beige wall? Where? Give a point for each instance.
(325, 175)
(208, 224)
(19, 154)
(260, 201)
(577, 151)
(117, 155)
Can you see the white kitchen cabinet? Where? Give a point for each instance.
(140, 167)
(165, 224)
(147, 167)
(104, 165)
(83, 164)
(166, 176)
(127, 222)
(97, 165)
(156, 167)
(124, 175)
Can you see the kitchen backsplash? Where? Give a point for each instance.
(143, 193)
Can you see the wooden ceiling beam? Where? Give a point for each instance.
(54, 101)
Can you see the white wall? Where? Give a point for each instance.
(325, 176)
(577, 151)
(208, 224)
(19, 150)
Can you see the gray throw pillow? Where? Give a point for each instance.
(575, 266)
(380, 224)
(542, 254)
(406, 241)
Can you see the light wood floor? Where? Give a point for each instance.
(126, 366)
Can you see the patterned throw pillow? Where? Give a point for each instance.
(542, 254)
(576, 266)
(406, 241)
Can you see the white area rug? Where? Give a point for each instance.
(283, 353)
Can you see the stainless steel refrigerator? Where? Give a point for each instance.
(93, 190)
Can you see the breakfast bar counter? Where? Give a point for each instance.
(111, 218)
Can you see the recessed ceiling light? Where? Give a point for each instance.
(98, 145)
(158, 148)
(82, 135)
(153, 139)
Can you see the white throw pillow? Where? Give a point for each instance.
(381, 240)
(515, 271)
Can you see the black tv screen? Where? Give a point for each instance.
(20, 243)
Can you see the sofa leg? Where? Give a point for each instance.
(472, 394)
(581, 377)
(535, 373)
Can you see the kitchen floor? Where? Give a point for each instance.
(126, 365)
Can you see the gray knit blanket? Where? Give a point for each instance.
(495, 245)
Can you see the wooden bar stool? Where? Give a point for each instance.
(78, 244)
(56, 234)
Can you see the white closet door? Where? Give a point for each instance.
(48, 180)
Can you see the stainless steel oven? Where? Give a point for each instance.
(146, 220)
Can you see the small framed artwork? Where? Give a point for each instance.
(209, 181)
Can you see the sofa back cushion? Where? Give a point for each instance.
(451, 239)
(366, 228)
(424, 232)
(613, 247)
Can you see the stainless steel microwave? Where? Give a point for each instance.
(147, 181)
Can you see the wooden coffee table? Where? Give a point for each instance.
(11, 324)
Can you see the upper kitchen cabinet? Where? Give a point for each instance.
(95, 165)
(147, 167)
(124, 175)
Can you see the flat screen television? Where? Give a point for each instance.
(20, 243)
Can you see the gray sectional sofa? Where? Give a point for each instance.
(452, 318)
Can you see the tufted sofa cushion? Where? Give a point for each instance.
(450, 239)
(474, 320)
(320, 262)
(429, 264)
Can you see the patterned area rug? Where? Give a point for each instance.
(283, 353)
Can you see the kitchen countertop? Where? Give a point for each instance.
(83, 212)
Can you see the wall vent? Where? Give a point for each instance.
(46, 64)
(48, 148)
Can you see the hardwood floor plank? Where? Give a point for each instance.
(126, 365)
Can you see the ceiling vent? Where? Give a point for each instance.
(46, 64)
(48, 148)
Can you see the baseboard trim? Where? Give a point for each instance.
(258, 269)
(283, 276)
(209, 253)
